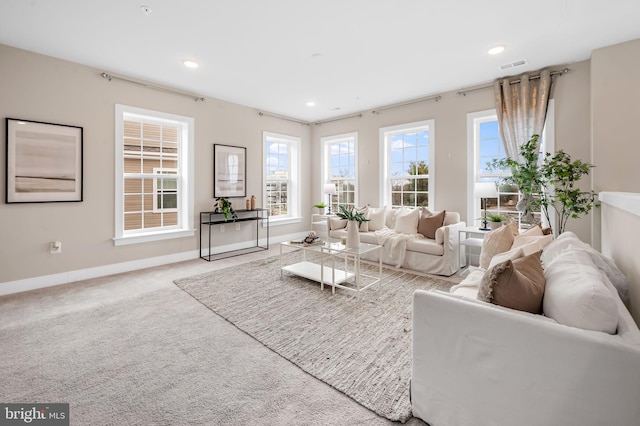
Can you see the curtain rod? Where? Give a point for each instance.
(321, 122)
(151, 86)
(411, 102)
(282, 117)
(464, 92)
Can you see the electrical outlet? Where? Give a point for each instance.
(55, 247)
(221, 228)
(237, 226)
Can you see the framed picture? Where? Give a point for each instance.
(229, 171)
(44, 162)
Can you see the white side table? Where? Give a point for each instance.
(471, 236)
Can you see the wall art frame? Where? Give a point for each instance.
(229, 171)
(44, 162)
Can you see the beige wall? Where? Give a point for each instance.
(616, 144)
(40, 88)
(571, 95)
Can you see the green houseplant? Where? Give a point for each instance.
(496, 220)
(223, 205)
(320, 207)
(351, 214)
(550, 183)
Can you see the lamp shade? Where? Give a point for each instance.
(485, 190)
(330, 188)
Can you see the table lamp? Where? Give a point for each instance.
(329, 189)
(485, 190)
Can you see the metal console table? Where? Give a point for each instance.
(208, 219)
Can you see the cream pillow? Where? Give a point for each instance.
(576, 295)
(513, 254)
(516, 284)
(407, 221)
(364, 226)
(376, 218)
(390, 218)
(497, 241)
(531, 243)
(337, 223)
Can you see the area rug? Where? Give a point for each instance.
(360, 345)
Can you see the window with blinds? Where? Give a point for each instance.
(153, 184)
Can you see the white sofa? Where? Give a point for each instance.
(402, 245)
(476, 363)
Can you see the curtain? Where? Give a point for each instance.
(522, 109)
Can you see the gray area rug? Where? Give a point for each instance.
(359, 345)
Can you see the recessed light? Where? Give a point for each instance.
(190, 63)
(496, 50)
(146, 10)
(311, 103)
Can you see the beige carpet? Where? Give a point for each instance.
(359, 345)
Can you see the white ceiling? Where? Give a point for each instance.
(346, 55)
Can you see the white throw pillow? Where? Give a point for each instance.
(364, 226)
(513, 254)
(390, 218)
(376, 218)
(576, 296)
(531, 243)
(337, 223)
(407, 221)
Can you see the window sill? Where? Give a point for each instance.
(156, 236)
(283, 221)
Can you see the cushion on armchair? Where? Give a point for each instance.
(427, 225)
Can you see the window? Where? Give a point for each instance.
(154, 175)
(339, 155)
(485, 145)
(407, 153)
(281, 177)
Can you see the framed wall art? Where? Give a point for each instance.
(229, 171)
(44, 162)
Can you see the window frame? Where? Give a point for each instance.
(326, 156)
(294, 193)
(185, 226)
(474, 212)
(385, 134)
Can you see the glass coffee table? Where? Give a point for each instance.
(339, 267)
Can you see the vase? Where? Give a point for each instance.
(353, 234)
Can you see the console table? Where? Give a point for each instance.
(209, 219)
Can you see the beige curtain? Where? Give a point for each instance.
(522, 109)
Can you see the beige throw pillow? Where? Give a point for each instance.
(428, 226)
(497, 241)
(376, 218)
(516, 284)
(407, 221)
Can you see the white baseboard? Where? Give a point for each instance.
(27, 284)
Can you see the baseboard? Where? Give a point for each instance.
(27, 284)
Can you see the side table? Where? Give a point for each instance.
(471, 236)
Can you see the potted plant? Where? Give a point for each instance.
(496, 220)
(352, 216)
(223, 205)
(320, 207)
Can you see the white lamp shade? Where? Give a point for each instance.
(485, 190)
(330, 188)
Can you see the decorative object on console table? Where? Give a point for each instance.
(353, 228)
(330, 189)
(253, 202)
(484, 190)
(225, 207)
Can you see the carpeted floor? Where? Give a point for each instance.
(359, 345)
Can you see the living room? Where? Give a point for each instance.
(594, 114)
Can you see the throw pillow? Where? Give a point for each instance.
(337, 223)
(427, 226)
(390, 218)
(364, 226)
(376, 218)
(534, 230)
(516, 284)
(513, 254)
(576, 295)
(407, 221)
(497, 241)
(531, 243)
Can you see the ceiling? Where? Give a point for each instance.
(347, 56)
